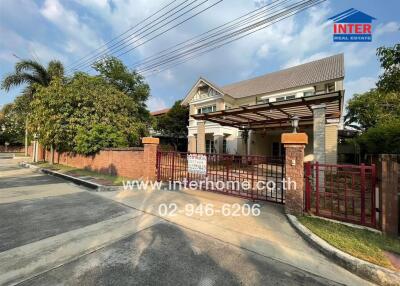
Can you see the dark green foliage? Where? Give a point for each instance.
(382, 139)
(368, 109)
(90, 141)
(389, 57)
(174, 123)
(32, 72)
(113, 71)
(62, 113)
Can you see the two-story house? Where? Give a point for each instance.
(264, 107)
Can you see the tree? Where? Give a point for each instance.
(113, 71)
(63, 112)
(33, 74)
(383, 138)
(389, 58)
(370, 108)
(14, 126)
(174, 123)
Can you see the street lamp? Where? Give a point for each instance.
(295, 123)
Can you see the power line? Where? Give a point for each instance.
(185, 52)
(245, 16)
(149, 73)
(120, 46)
(120, 35)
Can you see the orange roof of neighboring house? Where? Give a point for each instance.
(160, 112)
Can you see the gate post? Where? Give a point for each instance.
(389, 184)
(150, 158)
(294, 171)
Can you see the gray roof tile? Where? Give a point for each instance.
(325, 69)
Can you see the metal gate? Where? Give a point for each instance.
(342, 192)
(253, 177)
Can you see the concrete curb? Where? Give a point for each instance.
(364, 269)
(92, 185)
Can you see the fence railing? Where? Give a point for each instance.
(342, 192)
(229, 169)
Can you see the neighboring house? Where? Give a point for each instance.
(264, 106)
(167, 142)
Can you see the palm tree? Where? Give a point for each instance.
(31, 72)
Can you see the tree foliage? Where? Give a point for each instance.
(389, 58)
(31, 72)
(113, 71)
(382, 139)
(62, 113)
(174, 123)
(370, 108)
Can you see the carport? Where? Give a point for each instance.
(312, 111)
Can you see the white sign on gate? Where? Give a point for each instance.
(197, 164)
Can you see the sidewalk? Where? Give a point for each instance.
(269, 234)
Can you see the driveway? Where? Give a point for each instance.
(53, 232)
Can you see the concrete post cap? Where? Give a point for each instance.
(150, 140)
(294, 138)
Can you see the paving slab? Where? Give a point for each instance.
(30, 260)
(268, 234)
(26, 221)
(165, 254)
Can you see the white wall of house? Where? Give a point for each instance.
(261, 142)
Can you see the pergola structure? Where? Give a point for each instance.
(274, 115)
(315, 111)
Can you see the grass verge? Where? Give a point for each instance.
(104, 179)
(361, 243)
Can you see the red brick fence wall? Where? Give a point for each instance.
(133, 162)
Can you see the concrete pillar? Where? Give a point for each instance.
(389, 185)
(201, 137)
(331, 143)
(294, 144)
(319, 133)
(150, 158)
(219, 143)
(192, 144)
(249, 140)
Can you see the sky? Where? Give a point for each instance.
(68, 30)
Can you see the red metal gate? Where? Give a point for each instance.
(343, 192)
(234, 171)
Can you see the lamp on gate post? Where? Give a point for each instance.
(295, 123)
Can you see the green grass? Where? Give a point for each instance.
(103, 178)
(361, 243)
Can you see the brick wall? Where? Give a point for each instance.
(12, 149)
(125, 162)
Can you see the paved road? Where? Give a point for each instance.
(55, 233)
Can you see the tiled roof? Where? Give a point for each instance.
(325, 69)
(160, 112)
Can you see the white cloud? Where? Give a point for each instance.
(385, 28)
(360, 85)
(80, 36)
(156, 103)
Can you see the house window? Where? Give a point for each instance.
(308, 93)
(206, 109)
(330, 87)
(224, 146)
(287, 97)
(210, 146)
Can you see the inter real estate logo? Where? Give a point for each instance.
(352, 26)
